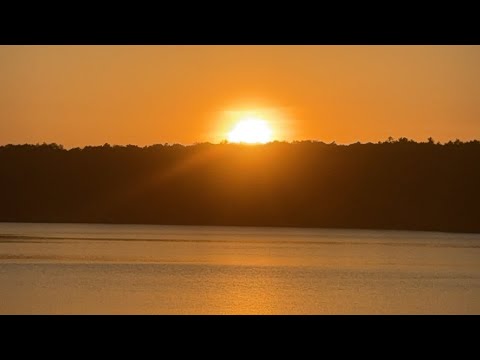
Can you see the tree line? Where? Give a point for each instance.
(395, 184)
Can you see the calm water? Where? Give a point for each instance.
(139, 269)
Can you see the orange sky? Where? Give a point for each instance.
(90, 95)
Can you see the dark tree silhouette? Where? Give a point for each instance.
(398, 184)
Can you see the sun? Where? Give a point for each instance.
(250, 130)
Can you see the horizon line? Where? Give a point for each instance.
(390, 140)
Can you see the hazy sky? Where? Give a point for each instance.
(81, 95)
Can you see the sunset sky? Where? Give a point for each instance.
(91, 95)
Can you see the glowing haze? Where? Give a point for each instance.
(90, 95)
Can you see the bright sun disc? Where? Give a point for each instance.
(251, 131)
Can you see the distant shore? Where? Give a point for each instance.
(394, 185)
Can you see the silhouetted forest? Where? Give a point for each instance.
(397, 184)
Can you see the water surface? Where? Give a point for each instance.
(148, 269)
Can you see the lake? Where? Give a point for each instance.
(150, 269)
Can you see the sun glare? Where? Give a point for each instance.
(250, 130)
